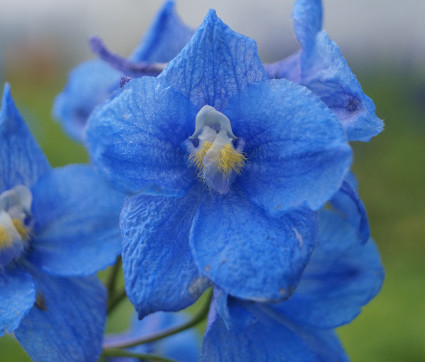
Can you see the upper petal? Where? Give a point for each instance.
(158, 266)
(77, 222)
(296, 149)
(68, 320)
(341, 277)
(22, 161)
(215, 65)
(17, 296)
(248, 254)
(135, 139)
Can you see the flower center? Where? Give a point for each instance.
(15, 206)
(215, 157)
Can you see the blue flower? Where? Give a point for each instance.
(95, 81)
(321, 67)
(225, 168)
(57, 227)
(184, 346)
(341, 277)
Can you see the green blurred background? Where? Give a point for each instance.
(391, 174)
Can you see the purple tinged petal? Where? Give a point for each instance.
(215, 65)
(22, 161)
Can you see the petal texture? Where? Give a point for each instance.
(68, 321)
(158, 266)
(248, 254)
(22, 161)
(135, 140)
(17, 296)
(341, 277)
(295, 147)
(215, 65)
(77, 222)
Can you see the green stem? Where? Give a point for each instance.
(140, 356)
(197, 318)
(112, 277)
(115, 301)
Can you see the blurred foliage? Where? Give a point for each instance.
(391, 175)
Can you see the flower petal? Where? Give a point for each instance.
(341, 277)
(135, 140)
(215, 65)
(77, 222)
(158, 266)
(264, 338)
(67, 322)
(17, 296)
(295, 147)
(22, 161)
(248, 254)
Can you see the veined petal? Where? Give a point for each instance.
(135, 139)
(77, 222)
(165, 38)
(67, 321)
(158, 266)
(326, 73)
(295, 147)
(22, 161)
(17, 296)
(288, 68)
(215, 65)
(341, 277)
(248, 254)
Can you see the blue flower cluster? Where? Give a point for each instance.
(236, 177)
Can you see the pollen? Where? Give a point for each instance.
(196, 158)
(21, 229)
(230, 160)
(5, 239)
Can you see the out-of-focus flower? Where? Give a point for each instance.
(342, 276)
(227, 168)
(184, 346)
(95, 81)
(320, 66)
(54, 224)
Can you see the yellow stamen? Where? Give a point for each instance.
(5, 239)
(230, 160)
(196, 158)
(21, 229)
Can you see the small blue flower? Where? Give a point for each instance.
(321, 67)
(226, 168)
(184, 346)
(341, 277)
(54, 224)
(93, 82)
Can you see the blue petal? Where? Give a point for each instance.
(77, 222)
(248, 254)
(307, 17)
(295, 147)
(67, 322)
(17, 296)
(158, 266)
(89, 84)
(266, 338)
(347, 201)
(22, 161)
(341, 277)
(288, 68)
(135, 140)
(326, 73)
(165, 38)
(215, 65)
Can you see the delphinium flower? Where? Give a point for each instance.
(95, 81)
(184, 346)
(57, 228)
(342, 276)
(320, 66)
(226, 169)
